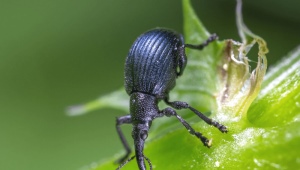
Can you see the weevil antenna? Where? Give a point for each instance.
(149, 162)
(125, 162)
(128, 160)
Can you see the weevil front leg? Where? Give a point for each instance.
(184, 105)
(171, 112)
(123, 120)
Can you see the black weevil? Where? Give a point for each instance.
(154, 62)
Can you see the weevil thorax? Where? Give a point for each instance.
(143, 108)
(152, 63)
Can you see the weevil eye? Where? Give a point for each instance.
(143, 134)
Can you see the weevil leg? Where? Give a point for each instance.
(171, 112)
(123, 120)
(210, 39)
(183, 105)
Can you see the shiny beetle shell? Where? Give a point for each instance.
(151, 65)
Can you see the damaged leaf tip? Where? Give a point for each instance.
(240, 86)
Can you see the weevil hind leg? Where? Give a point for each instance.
(210, 39)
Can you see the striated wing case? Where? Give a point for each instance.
(152, 62)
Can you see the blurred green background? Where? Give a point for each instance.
(59, 53)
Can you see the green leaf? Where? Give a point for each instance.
(218, 80)
(279, 101)
(117, 100)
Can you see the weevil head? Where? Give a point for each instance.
(139, 135)
(140, 131)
